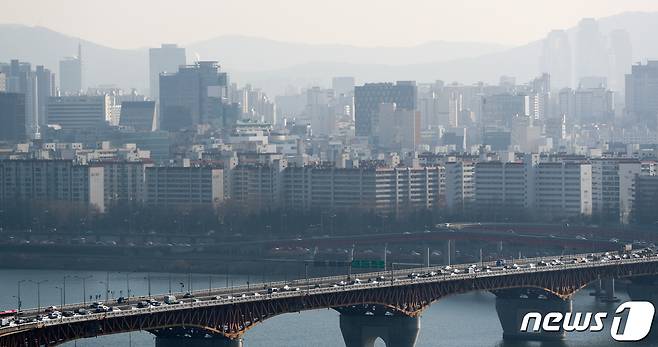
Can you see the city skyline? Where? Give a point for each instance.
(365, 23)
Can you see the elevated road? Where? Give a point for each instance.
(231, 311)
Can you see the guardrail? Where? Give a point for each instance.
(308, 290)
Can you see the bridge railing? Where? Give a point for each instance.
(328, 289)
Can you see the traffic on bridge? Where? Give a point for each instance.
(229, 312)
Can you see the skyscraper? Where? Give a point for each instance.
(12, 117)
(368, 97)
(642, 94)
(45, 89)
(192, 96)
(621, 53)
(556, 58)
(591, 55)
(22, 79)
(342, 85)
(166, 58)
(70, 74)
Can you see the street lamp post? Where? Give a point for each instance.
(38, 283)
(18, 298)
(84, 288)
(306, 274)
(61, 296)
(148, 279)
(128, 285)
(107, 286)
(64, 289)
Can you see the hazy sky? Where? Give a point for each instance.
(137, 23)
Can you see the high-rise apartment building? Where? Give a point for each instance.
(613, 187)
(500, 185)
(124, 181)
(460, 185)
(377, 189)
(646, 195)
(188, 185)
(368, 97)
(552, 189)
(164, 59)
(563, 189)
(51, 180)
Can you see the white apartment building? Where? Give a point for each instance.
(563, 189)
(184, 185)
(555, 189)
(257, 186)
(460, 184)
(381, 189)
(502, 185)
(51, 180)
(613, 185)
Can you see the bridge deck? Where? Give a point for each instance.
(318, 286)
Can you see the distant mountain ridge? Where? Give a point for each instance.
(257, 54)
(274, 65)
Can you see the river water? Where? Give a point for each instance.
(461, 320)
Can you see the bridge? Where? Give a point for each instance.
(371, 305)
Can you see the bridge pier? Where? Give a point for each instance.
(608, 286)
(513, 304)
(362, 330)
(192, 337)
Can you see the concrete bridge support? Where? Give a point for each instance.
(192, 337)
(608, 286)
(364, 330)
(512, 305)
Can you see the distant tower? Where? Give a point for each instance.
(591, 54)
(70, 73)
(166, 58)
(556, 58)
(621, 53)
